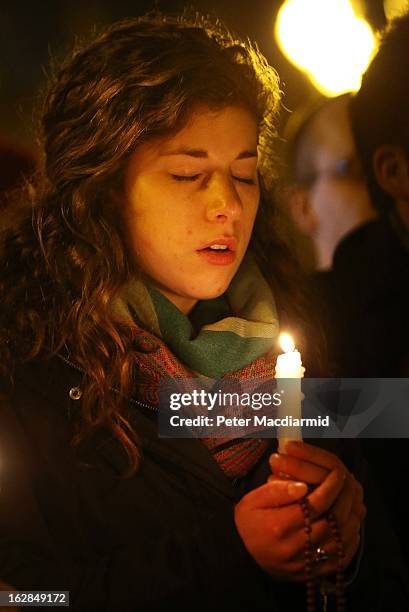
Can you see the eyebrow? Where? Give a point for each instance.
(200, 153)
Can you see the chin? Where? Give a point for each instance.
(208, 290)
(210, 294)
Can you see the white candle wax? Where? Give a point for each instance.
(289, 371)
(289, 365)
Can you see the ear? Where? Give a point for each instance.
(391, 168)
(301, 210)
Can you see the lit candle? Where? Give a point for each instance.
(289, 371)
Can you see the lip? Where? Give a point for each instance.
(230, 242)
(219, 258)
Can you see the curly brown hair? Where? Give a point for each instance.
(65, 259)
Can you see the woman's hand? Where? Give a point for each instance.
(312, 465)
(271, 523)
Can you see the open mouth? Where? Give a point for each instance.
(217, 248)
(220, 244)
(218, 254)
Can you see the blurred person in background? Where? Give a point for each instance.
(368, 285)
(328, 197)
(374, 266)
(364, 297)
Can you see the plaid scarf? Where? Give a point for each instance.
(231, 337)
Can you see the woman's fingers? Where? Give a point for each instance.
(336, 491)
(322, 537)
(298, 469)
(313, 454)
(309, 463)
(271, 524)
(263, 518)
(319, 501)
(275, 493)
(349, 503)
(350, 549)
(351, 495)
(348, 511)
(323, 497)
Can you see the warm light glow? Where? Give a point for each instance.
(326, 39)
(286, 343)
(395, 8)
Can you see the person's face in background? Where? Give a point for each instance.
(329, 198)
(190, 201)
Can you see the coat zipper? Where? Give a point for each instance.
(131, 399)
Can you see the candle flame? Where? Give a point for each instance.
(286, 342)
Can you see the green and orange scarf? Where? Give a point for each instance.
(233, 336)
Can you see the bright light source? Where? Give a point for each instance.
(394, 8)
(286, 342)
(325, 39)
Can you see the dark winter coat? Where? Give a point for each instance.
(162, 539)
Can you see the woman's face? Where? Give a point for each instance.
(190, 204)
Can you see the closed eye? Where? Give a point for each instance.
(194, 177)
(246, 181)
(183, 177)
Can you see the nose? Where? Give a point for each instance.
(223, 202)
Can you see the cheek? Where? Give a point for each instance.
(320, 196)
(159, 239)
(142, 235)
(251, 212)
(138, 232)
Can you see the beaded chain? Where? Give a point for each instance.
(339, 576)
(309, 551)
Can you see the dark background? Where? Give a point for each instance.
(32, 32)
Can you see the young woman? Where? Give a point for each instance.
(149, 252)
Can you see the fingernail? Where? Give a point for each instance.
(297, 489)
(274, 457)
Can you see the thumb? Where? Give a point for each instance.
(276, 493)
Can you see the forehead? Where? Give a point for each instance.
(224, 133)
(205, 122)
